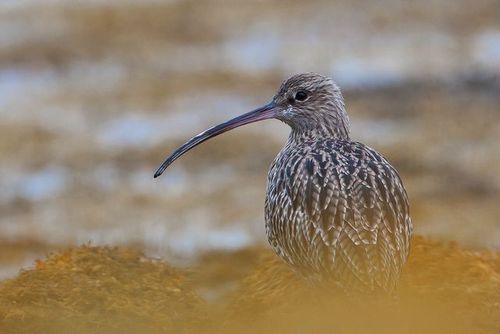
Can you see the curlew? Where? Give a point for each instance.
(335, 210)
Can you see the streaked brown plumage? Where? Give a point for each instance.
(336, 210)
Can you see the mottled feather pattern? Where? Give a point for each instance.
(338, 209)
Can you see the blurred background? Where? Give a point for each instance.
(95, 94)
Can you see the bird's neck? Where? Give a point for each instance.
(327, 129)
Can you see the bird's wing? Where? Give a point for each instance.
(357, 208)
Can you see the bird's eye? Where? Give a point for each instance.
(300, 96)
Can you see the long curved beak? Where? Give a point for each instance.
(264, 112)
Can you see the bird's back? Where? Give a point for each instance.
(338, 210)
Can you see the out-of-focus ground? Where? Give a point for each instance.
(93, 95)
(444, 289)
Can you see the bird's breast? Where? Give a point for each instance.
(288, 201)
(335, 204)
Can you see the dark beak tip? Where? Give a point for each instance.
(157, 173)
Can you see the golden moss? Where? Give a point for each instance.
(98, 290)
(444, 289)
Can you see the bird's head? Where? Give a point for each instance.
(311, 104)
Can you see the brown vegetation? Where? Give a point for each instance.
(98, 290)
(444, 288)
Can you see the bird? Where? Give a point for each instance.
(335, 210)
